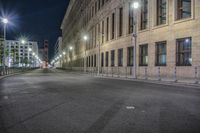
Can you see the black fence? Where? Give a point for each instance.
(12, 70)
(176, 74)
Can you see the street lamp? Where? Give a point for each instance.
(30, 50)
(85, 38)
(63, 59)
(5, 22)
(99, 51)
(70, 48)
(135, 6)
(70, 55)
(23, 41)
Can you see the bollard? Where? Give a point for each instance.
(126, 72)
(196, 75)
(112, 71)
(118, 72)
(146, 77)
(175, 78)
(107, 72)
(101, 71)
(159, 77)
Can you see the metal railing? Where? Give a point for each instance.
(189, 74)
(12, 70)
(175, 74)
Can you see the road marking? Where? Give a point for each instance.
(5, 97)
(130, 107)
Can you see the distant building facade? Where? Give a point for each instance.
(58, 50)
(168, 39)
(19, 54)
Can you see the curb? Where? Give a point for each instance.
(169, 83)
(161, 82)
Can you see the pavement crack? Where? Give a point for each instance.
(35, 115)
(105, 118)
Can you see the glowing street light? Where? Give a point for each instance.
(5, 20)
(64, 53)
(23, 41)
(70, 48)
(135, 5)
(85, 38)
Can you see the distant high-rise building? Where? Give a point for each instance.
(58, 46)
(58, 51)
(20, 54)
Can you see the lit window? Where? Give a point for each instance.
(161, 53)
(144, 55)
(184, 52)
(130, 56)
(144, 14)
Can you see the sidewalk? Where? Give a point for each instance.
(155, 80)
(15, 73)
(171, 82)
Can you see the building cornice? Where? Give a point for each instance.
(71, 3)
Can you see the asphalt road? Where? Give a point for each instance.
(54, 101)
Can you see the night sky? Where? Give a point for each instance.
(36, 20)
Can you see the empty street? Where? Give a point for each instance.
(56, 101)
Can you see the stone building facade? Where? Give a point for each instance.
(168, 37)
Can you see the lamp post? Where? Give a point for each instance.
(85, 38)
(23, 42)
(135, 6)
(99, 52)
(70, 54)
(29, 50)
(5, 22)
(63, 59)
(99, 55)
(60, 58)
(34, 59)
